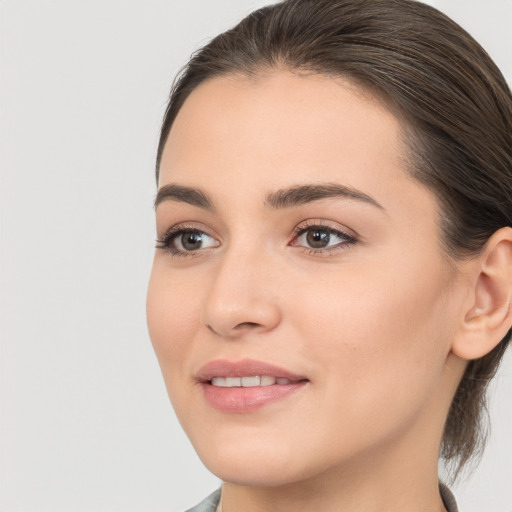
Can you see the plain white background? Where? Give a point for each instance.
(85, 420)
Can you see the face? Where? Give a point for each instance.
(300, 304)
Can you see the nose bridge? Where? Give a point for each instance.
(241, 295)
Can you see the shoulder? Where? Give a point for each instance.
(448, 498)
(209, 504)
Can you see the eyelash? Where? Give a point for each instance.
(168, 240)
(348, 239)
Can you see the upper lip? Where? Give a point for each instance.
(244, 368)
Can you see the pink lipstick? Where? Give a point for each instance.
(247, 385)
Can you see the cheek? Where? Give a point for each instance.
(172, 313)
(379, 345)
(379, 332)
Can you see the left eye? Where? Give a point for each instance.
(318, 237)
(188, 241)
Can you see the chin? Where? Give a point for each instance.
(269, 473)
(245, 463)
(250, 476)
(260, 459)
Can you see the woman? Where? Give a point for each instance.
(331, 288)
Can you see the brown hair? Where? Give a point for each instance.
(457, 109)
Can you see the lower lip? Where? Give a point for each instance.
(243, 400)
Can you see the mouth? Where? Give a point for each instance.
(247, 385)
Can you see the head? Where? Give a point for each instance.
(416, 82)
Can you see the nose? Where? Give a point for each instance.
(242, 297)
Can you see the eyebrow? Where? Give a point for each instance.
(193, 196)
(282, 198)
(302, 194)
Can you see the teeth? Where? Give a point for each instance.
(233, 382)
(247, 382)
(219, 382)
(268, 381)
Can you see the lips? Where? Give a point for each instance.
(247, 385)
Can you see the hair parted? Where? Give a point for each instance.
(456, 109)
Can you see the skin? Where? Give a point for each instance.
(371, 323)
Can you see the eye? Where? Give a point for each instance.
(193, 241)
(321, 238)
(316, 238)
(186, 241)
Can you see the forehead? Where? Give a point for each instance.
(281, 117)
(250, 136)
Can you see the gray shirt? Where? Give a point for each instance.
(211, 503)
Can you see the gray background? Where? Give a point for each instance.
(85, 420)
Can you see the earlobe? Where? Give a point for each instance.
(489, 316)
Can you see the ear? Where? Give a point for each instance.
(488, 317)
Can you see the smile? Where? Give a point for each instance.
(246, 386)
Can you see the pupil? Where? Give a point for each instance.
(191, 241)
(318, 238)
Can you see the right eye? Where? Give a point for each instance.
(186, 241)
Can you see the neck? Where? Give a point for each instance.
(348, 489)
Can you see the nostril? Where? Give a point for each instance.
(246, 325)
(239, 328)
